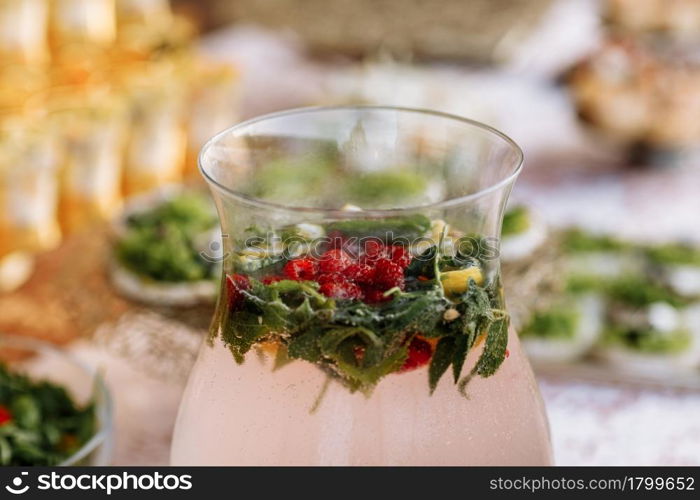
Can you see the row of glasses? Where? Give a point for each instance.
(114, 117)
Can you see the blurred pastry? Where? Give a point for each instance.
(678, 265)
(566, 329)
(635, 96)
(650, 331)
(591, 256)
(23, 25)
(523, 232)
(678, 18)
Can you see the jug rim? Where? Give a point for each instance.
(385, 212)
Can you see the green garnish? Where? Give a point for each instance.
(556, 322)
(639, 291)
(385, 188)
(409, 227)
(361, 342)
(41, 425)
(647, 340)
(582, 283)
(675, 254)
(577, 240)
(515, 221)
(160, 243)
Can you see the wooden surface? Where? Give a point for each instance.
(70, 295)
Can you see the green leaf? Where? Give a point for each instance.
(332, 339)
(443, 356)
(495, 349)
(242, 330)
(460, 355)
(366, 378)
(5, 451)
(306, 346)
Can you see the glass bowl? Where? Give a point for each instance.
(42, 361)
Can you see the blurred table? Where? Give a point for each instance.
(568, 178)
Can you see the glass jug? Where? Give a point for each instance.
(361, 317)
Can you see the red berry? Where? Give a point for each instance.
(234, 284)
(373, 249)
(268, 280)
(341, 290)
(419, 353)
(302, 269)
(322, 279)
(374, 295)
(399, 255)
(360, 273)
(388, 274)
(5, 415)
(334, 261)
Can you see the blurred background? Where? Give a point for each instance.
(104, 105)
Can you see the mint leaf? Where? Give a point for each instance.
(495, 349)
(242, 330)
(443, 356)
(460, 355)
(306, 346)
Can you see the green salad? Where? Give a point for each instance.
(39, 422)
(161, 243)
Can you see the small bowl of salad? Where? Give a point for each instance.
(166, 249)
(54, 409)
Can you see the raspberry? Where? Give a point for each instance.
(419, 353)
(399, 255)
(334, 261)
(5, 415)
(302, 269)
(360, 273)
(341, 290)
(373, 249)
(388, 274)
(373, 295)
(234, 284)
(322, 279)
